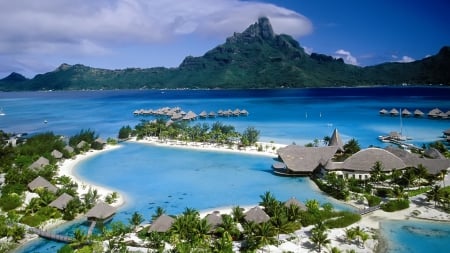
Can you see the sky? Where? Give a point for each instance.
(38, 36)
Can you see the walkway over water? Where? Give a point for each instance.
(91, 228)
(369, 210)
(51, 236)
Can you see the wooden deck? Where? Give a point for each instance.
(51, 236)
(91, 228)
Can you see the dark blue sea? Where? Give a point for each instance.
(179, 178)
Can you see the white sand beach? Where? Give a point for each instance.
(295, 242)
(67, 166)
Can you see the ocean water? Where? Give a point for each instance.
(177, 178)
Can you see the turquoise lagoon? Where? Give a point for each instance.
(178, 178)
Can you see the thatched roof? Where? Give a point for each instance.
(434, 113)
(306, 159)
(365, 159)
(446, 132)
(257, 215)
(39, 163)
(418, 113)
(433, 166)
(203, 114)
(336, 140)
(56, 154)
(433, 153)
(61, 202)
(41, 182)
(393, 111)
(100, 141)
(383, 111)
(81, 144)
(405, 112)
(161, 224)
(101, 211)
(295, 202)
(214, 220)
(69, 149)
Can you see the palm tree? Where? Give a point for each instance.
(312, 205)
(326, 140)
(136, 219)
(158, 212)
(376, 172)
(335, 250)
(351, 147)
(238, 214)
(228, 226)
(265, 233)
(79, 238)
(319, 238)
(269, 202)
(350, 234)
(434, 194)
(421, 172)
(34, 205)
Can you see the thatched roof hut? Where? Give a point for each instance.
(41, 182)
(244, 112)
(82, 144)
(69, 149)
(418, 113)
(214, 220)
(203, 114)
(434, 113)
(383, 111)
(61, 202)
(304, 160)
(446, 132)
(256, 215)
(56, 154)
(161, 224)
(212, 114)
(433, 153)
(393, 112)
(39, 163)
(406, 113)
(101, 212)
(365, 159)
(295, 202)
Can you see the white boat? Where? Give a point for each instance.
(395, 136)
(1, 112)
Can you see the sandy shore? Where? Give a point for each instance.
(268, 148)
(67, 167)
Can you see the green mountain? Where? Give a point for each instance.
(255, 58)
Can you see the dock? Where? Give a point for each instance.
(91, 228)
(51, 236)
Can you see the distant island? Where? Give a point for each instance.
(255, 58)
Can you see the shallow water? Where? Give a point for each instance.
(175, 179)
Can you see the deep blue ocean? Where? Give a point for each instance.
(179, 178)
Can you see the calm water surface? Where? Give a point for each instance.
(176, 178)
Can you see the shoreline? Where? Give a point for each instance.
(67, 168)
(370, 222)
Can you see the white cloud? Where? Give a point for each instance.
(90, 27)
(406, 59)
(346, 56)
(308, 50)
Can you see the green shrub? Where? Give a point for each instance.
(344, 219)
(395, 205)
(383, 192)
(373, 200)
(32, 220)
(10, 201)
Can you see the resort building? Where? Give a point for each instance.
(41, 182)
(39, 163)
(162, 224)
(101, 212)
(61, 202)
(256, 215)
(305, 161)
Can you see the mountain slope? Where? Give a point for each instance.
(255, 58)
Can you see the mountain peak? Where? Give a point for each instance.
(262, 29)
(14, 77)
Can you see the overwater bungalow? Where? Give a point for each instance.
(434, 113)
(406, 113)
(162, 224)
(61, 202)
(40, 182)
(212, 114)
(203, 114)
(101, 212)
(256, 215)
(236, 112)
(418, 113)
(443, 115)
(244, 112)
(383, 111)
(393, 112)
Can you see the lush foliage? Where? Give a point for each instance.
(395, 205)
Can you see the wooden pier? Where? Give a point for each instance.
(51, 236)
(91, 228)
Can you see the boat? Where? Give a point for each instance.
(395, 136)
(1, 112)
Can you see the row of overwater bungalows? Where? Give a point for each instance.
(435, 113)
(176, 113)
